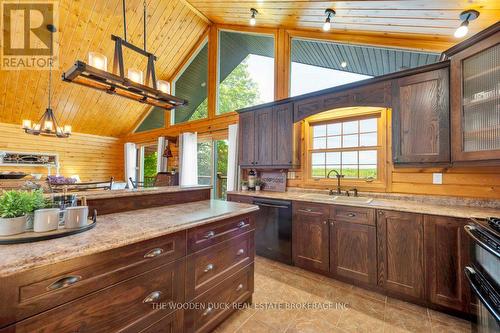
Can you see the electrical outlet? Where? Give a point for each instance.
(437, 178)
(291, 175)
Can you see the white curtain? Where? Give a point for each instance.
(188, 150)
(232, 159)
(130, 162)
(161, 165)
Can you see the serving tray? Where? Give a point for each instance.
(31, 236)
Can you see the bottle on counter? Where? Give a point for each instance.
(252, 177)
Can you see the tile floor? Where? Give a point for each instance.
(367, 311)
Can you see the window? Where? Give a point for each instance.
(191, 85)
(246, 70)
(147, 159)
(154, 120)
(349, 146)
(317, 65)
(212, 165)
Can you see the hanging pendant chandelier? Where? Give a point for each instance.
(132, 86)
(47, 125)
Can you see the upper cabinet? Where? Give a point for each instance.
(269, 137)
(421, 118)
(475, 102)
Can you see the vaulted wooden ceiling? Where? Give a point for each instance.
(429, 17)
(86, 25)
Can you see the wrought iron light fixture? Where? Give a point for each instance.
(329, 14)
(465, 17)
(131, 86)
(253, 20)
(47, 125)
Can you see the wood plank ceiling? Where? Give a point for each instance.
(424, 17)
(86, 25)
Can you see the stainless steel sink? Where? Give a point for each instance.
(337, 198)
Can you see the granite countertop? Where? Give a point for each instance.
(117, 230)
(443, 206)
(103, 194)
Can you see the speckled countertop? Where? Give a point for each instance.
(102, 194)
(116, 230)
(434, 205)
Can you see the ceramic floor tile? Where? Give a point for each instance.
(281, 285)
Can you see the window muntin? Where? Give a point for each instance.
(192, 85)
(246, 70)
(347, 146)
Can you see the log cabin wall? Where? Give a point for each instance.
(93, 158)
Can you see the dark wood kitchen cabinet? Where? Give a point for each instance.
(353, 246)
(475, 98)
(447, 254)
(310, 236)
(269, 137)
(421, 118)
(400, 251)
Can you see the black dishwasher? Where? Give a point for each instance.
(273, 229)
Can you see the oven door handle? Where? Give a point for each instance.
(268, 205)
(482, 294)
(477, 236)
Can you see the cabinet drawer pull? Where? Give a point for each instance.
(153, 297)
(154, 253)
(207, 312)
(210, 234)
(240, 287)
(240, 252)
(325, 222)
(64, 282)
(351, 214)
(209, 268)
(242, 224)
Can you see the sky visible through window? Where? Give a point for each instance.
(308, 78)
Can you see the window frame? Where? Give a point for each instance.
(343, 115)
(204, 42)
(245, 31)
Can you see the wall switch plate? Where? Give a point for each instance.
(437, 178)
(291, 175)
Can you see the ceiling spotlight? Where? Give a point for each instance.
(465, 17)
(329, 14)
(252, 18)
(343, 64)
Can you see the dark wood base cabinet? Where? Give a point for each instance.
(133, 288)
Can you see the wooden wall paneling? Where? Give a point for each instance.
(213, 70)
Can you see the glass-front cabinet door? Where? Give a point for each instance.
(475, 94)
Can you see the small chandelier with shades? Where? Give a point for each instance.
(47, 125)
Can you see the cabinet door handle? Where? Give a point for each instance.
(209, 268)
(240, 252)
(207, 312)
(154, 253)
(210, 234)
(242, 224)
(240, 287)
(64, 282)
(351, 215)
(153, 297)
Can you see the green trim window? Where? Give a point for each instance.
(192, 85)
(348, 146)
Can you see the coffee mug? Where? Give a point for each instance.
(76, 217)
(46, 219)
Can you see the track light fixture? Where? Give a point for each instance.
(465, 17)
(252, 18)
(329, 14)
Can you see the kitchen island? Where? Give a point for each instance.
(136, 271)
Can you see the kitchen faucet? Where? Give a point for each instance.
(339, 176)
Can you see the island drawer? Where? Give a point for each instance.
(208, 267)
(213, 233)
(127, 305)
(40, 289)
(219, 302)
(357, 215)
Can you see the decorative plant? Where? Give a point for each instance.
(37, 200)
(60, 180)
(244, 183)
(15, 204)
(259, 182)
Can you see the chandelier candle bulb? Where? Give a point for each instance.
(48, 126)
(163, 86)
(135, 75)
(98, 60)
(26, 124)
(67, 129)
